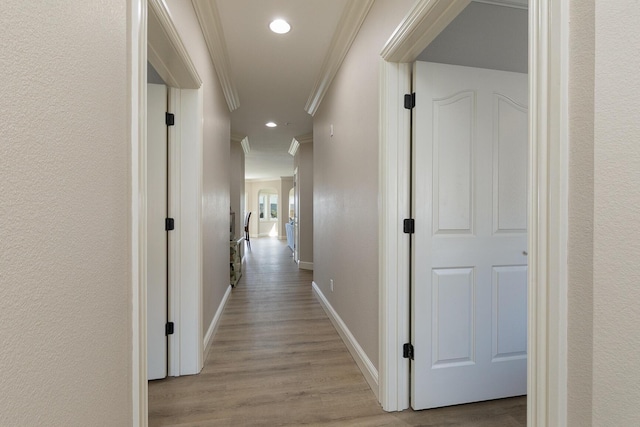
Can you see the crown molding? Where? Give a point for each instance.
(293, 148)
(245, 145)
(166, 51)
(350, 22)
(424, 22)
(516, 4)
(211, 26)
(302, 139)
(242, 140)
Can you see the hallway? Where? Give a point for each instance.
(277, 360)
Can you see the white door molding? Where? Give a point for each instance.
(137, 39)
(393, 245)
(548, 213)
(182, 74)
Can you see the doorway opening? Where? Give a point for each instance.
(547, 200)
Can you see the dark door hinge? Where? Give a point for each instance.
(170, 119)
(409, 226)
(407, 351)
(168, 328)
(410, 100)
(169, 224)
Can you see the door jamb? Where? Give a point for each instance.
(548, 203)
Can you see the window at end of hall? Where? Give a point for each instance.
(268, 206)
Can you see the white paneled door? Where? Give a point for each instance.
(469, 295)
(156, 233)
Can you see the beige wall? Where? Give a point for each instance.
(616, 231)
(580, 261)
(304, 162)
(345, 180)
(216, 184)
(603, 335)
(236, 170)
(65, 310)
(256, 227)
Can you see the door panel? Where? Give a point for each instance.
(156, 233)
(469, 292)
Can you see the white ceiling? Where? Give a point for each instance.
(275, 74)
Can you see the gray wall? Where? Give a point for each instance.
(65, 310)
(345, 179)
(483, 36)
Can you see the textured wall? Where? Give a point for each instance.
(580, 260)
(216, 186)
(65, 309)
(345, 179)
(616, 249)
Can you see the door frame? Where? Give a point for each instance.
(548, 202)
(153, 37)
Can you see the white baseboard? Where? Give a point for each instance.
(303, 265)
(213, 327)
(369, 371)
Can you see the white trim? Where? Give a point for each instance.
(198, 229)
(215, 323)
(350, 22)
(187, 186)
(548, 213)
(242, 140)
(245, 145)
(182, 74)
(367, 368)
(293, 148)
(393, 246)
(211, 25)
(304, 265)
(174, 281)
(167, 53)
(521, 4)
(138, 86)
(420, 27)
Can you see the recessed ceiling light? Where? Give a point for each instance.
(271, 125)
(280, 26)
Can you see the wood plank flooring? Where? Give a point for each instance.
(277, 360)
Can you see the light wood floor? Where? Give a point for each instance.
(277, 360)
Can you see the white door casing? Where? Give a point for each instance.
(469, 304)
(156, 233)
(548, 200)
